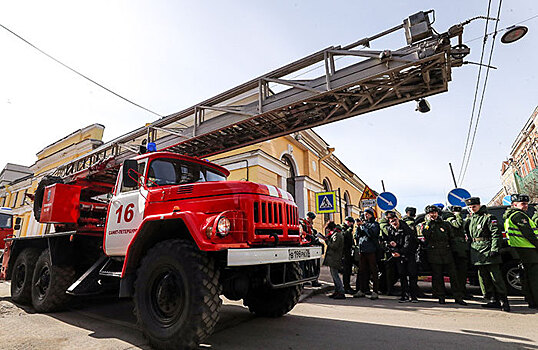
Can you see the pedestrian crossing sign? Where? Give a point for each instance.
(325, 202)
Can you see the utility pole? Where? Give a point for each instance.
(453, 178)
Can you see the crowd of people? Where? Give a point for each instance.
(398, 246)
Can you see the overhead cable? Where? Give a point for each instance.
(78, 73)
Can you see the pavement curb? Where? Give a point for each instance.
(309, 293)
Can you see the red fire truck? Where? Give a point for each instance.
(169, 231)
(6, 227)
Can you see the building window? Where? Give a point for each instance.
(348, 205)
(14, 199)
(290, 176)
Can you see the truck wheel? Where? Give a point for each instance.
(512, 277)
(40, 192)
(21, 278)
(49, 284)
(177, 295)
(267, 302)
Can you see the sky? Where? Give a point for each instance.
(170, 55)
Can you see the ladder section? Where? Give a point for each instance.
(349, 82)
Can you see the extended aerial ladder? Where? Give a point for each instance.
(276, 104)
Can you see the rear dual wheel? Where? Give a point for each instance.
(21, 278)
(50, 283)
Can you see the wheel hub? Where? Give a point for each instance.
(21, 274)
(42, 283)
(168, 297)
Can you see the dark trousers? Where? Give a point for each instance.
(529, 258)
(407, 272)
(346, 273)
(461, 264)
(438, 280)
(367, 271)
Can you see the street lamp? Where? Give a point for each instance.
(514, 33)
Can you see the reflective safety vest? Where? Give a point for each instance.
(515, 238)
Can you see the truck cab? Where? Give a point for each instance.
(6, 226)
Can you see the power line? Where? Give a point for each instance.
(78, 73)
(503, 29)
(475, 94)
(483, 90)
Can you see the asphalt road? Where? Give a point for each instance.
(316, 323)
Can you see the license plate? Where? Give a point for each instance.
(298, 254)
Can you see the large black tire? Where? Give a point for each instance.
(177, 295)
(267, 302)
(512, 275)
(50, 283)
(40, 192)
(21, 278)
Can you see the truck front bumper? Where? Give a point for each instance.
(260, 256)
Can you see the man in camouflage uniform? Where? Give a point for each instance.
(523, 236)
(486, 241)
(438, 236)
(459, 245)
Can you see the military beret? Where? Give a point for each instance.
(411, 209)
(472, 201)
(431, 208)
(520, 198)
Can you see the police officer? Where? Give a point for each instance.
(409, 218)
(387, 265)
(438, 235)
(523, 236)
(459, 245)
(347, 230)
(485, 244)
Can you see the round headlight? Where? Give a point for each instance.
(223, 226)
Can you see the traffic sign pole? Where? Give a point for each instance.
(340, 205)
(453, 177)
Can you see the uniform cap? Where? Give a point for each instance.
(431, 208)
(369, 210)
(472, 201)
(411, 209)
(520, 198)
(454, 208)
(349, 218)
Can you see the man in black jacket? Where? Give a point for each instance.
(347, 230)
(401, 243)
(368, 237)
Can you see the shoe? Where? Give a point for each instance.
(332, 295)
(402, 300)
(461, 302)
(505, 305)
(442, 301)
(316, 284)
(374, 296)
(492, 304)
(359, 294)
(339, 296)
(414, 300)
(350, 291)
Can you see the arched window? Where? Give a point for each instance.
(348, 205)
(327, 188)
(290, 176)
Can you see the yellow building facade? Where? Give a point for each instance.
(14, 193)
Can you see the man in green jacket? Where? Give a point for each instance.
(438, 236)
(459, 245)
(523, 236)
(485, 244)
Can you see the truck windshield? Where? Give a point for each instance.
(5, 221)
(163, 172)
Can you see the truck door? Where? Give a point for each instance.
(125, 214)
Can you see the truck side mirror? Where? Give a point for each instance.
(130, 173)
(17, 224)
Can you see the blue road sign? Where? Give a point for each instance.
(386, 201)
(458, 196)
(326, 202)
(507, 200)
